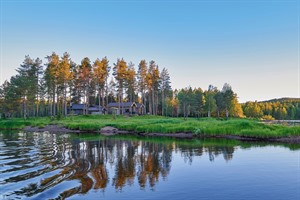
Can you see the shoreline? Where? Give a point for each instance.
(110, 131)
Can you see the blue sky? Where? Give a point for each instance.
(252, 45)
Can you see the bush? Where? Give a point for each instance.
(267, 117)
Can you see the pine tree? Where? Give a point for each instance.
(85, 77)
(165, 87)
(131, 82)
(152, 80)
(142, 82)
(228, 97)
(101, 72)
(210, 102)
(120, 72)
(64, 76)
(29, 75)
(51, 80)
(199, 101)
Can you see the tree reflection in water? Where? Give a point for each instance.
(94, 163)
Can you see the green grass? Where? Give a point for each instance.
(158, 124)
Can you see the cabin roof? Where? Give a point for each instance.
(139, 105)
(126, 104)
(82, 106)
(95, 108)
(77, 106)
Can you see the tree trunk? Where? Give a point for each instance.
(121, 100)
(132, 95)
(184, 110)
(99, 98)
(87, 104)
(103, 98)
(163, 102)
(37, 105)
(150, 104)
(65, 101)
(106, 92)
(227, 113)
(57, 104)
(25, 109)
(143, 100)
(208, 114)
(156, 107)
(153, 103)
(53, 103)
(145, 103)
(119, 106)
(166, 110)
(85, 101)
(50, 106)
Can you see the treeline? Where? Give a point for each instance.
(48, 90)
(209, 103)
(284, 109)
(35, 91)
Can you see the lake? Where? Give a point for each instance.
(87, 166)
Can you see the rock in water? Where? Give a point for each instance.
(108, 130)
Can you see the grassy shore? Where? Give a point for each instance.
(157, 124)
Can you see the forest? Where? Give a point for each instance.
(39, 90)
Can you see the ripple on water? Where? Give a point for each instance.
(45, 166)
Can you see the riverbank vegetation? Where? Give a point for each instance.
(157, 124)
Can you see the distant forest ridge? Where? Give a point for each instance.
(282, 108)
(49, 89)
(282, 100)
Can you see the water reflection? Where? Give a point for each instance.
(129, 159)
(35, 163)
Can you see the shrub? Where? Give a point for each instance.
(267, 117)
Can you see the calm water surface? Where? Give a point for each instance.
(59, 166)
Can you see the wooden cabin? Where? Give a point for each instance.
(127, 108)
(79, 109)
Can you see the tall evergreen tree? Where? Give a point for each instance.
(152, 80)
(120, 72)
(210, 102)
(219, 103)
(51, 80)
(75, 84)
(131, 82)
(29, 75)
(85, 77)
(199, 101)
(228, 97)
(141, 76)
(101, 72)
(64, 76)
(165, 88)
